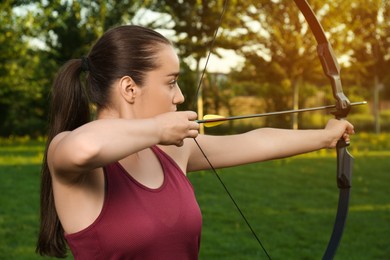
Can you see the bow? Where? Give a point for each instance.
(331, 69)
(344, 159)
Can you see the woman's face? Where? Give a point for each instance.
(160, 92)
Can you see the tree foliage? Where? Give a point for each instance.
(37, 37)
(20, 85)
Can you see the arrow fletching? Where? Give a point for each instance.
(213, 120)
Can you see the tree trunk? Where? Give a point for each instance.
(377, 87)
(294, 117)
(199, 97)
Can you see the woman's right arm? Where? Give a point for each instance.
(103, 141)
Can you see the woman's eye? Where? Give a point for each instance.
(173, 83)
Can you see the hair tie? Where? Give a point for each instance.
(84, 63)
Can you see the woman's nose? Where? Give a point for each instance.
(179, 98)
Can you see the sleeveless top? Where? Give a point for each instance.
(137, 222)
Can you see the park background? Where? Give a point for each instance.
(264, 59)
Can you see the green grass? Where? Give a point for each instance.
(290, 203)
(19, 199)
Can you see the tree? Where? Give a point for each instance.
(370, 60)
(35, 44)
(20, 89)
(280, 54)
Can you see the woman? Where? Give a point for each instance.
(116, 187)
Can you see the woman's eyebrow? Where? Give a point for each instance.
(174, 74)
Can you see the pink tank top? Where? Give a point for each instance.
(137, 222)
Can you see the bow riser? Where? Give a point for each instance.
(332, 70)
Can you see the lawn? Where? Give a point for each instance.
(290, 203)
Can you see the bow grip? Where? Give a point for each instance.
(344, 165)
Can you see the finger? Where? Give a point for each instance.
(191, 115)
(194, 126)
(349, 128)
(346, 138)
(193, 133)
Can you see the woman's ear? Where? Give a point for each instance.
(128, 89)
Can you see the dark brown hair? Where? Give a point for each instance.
(125, 50)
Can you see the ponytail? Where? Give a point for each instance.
(70, 106)
(69, 110)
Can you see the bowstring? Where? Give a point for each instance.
(200, 148)
(211, 47)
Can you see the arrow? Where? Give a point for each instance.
(215, 120)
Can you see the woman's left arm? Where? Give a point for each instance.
(265, 144)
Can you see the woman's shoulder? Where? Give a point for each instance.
(180, 154)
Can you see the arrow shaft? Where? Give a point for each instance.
(202, 121)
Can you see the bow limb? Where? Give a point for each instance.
(344, 159)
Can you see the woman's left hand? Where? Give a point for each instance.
(338, 129)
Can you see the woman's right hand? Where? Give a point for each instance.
(174, 127)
